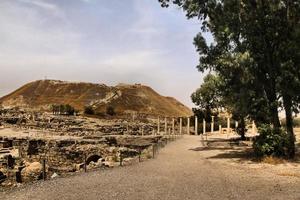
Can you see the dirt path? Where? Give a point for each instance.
(179, 172)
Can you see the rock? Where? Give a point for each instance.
(32, 171)
(110, 159)
(109, 164)
(32, 167)
(78, 167)
(55, 175)
(92, 163)
(99, 163)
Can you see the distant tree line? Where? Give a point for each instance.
(89, 110)
(63, 109)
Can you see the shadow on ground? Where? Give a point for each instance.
(229, 153)
(238, 152)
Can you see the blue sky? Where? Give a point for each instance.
(100, 41)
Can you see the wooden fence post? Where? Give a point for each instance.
(44, 169)
(140, 152)
(85, 164)
(121, 159)
(153, 150)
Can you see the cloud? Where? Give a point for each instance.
(135, 61)
(41, 4)
(137, 42)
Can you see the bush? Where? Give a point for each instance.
(89, 110)
(270, 142)
(69, 110)
(62, 109)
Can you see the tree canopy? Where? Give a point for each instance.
(256, 51)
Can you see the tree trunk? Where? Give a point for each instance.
(287, 103)
(273, 107)
(243, 129)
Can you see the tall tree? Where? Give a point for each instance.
(265, 31)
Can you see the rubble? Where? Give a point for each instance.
(66, 144)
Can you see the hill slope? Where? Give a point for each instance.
(124, 98)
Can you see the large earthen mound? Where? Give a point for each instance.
(123, 98)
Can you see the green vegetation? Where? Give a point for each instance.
(255, 55)
(89, 110)
(63, 109)
(271, 142)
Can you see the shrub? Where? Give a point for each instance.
(89, 110)
(270, 142)
(69, 110)
(64, 109)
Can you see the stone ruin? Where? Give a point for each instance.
(73, 125)
(67, 145)
(23, 156)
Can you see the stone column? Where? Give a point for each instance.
(158, 126)
(188, 126)
(166, 126)
(173, 126)
(204, 126)
(220, 129)
(228, 125)
(196, 125)
(212, 124)
(180, 126)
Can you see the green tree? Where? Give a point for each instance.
(267, 33)
(69, 110)
(89, 110)
(54, 109)
(231, 93)
(207, 97)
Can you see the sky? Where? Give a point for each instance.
(98, 41)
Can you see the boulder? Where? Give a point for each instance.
(32, 171)
(55, 175)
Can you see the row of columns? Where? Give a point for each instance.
(196, 126)
(166, 126)
(204, 125)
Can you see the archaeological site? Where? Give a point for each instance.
(149, 100)
(40, 140)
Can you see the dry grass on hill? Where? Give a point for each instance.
(124, 98)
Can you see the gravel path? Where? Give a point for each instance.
(178, 172)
